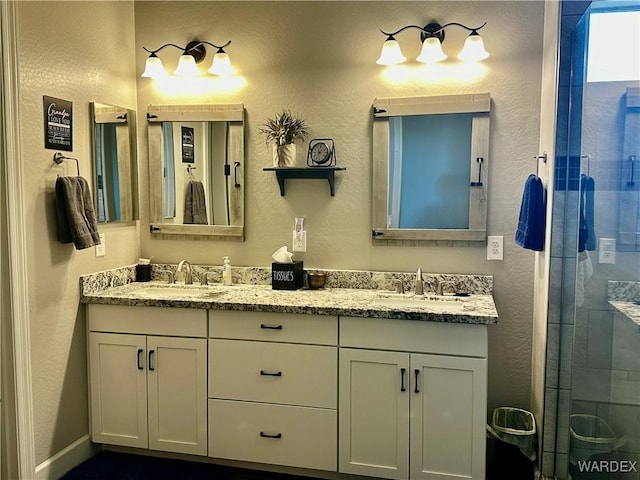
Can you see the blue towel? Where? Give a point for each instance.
(586, 232)
(531, 223)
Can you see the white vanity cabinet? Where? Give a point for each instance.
(412, 399)
(147, 377)
(273, 388)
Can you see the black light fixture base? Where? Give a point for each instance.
(432, 30)
(197, 50)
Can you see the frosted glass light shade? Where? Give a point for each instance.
(391, 53)
(153, 68)
(473, 50)
(431, 51)
(187, 67)
(221, 64)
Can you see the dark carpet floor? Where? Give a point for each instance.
(108, 465)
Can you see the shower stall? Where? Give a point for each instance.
(592, 399)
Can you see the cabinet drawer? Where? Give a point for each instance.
(463, 339)
(274, 434)
(273, 372)
(274, 327)
(178, 322)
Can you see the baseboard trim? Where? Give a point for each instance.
(69, 457)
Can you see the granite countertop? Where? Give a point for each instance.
(623, 297)
(356, 302)
(631, 310)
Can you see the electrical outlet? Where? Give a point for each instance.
(300, 241)
(607, 250)
(494, 247)
(100, 249)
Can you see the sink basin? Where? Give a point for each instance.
(434, 303)
(177, 292)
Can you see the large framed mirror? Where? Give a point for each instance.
(196, 165)
(430, 168)
(114, 163)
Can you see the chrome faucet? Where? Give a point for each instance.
(419, 282)
(188, 278)
(399, 286)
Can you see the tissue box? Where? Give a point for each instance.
(286, 276)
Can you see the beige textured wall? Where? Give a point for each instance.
(318, 59)
(83, 52)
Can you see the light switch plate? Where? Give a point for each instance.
(494, 247)
(100, 249)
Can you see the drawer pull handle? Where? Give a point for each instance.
(151, 352)
(417, 372)
(266, 326)
(270, 374)
(140, 367)
(270, 435)
(402, 372)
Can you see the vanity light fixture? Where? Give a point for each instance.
(432, 36)
(192, 54)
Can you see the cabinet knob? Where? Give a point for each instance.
(402, 372)
(270, 374)
(417, 390)
(270, 435)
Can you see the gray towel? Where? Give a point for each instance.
(76, 218)
(195, 208)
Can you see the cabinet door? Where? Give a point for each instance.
(374, 413)
(118, 389)
(177, 379)
(448, 417)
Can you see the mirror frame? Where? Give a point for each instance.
(479, 105)
(120, 115)
(232, 113)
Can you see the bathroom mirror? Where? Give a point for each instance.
(196, 165)
(430, 167)
(114, 163)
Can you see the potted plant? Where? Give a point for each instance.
(282, 131)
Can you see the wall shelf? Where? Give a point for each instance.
(328, 173)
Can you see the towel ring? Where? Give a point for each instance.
(60, 157)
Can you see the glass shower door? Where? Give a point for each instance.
(600, 426)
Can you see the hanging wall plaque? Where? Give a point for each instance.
(188, 155)
(58, 124)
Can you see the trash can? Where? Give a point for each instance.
(511, 444)
(591, 435)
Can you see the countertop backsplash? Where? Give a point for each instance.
(357, 279)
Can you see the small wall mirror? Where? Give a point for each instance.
(430, 167)
(114, 163)
(629, 209)
(196, 164)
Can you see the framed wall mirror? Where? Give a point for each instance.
(430, 168)
(114, 163)
(196, 165)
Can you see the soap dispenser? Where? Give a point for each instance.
(226, 271)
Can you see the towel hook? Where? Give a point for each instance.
(588, 157)
(542, 157)
(59, 157)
